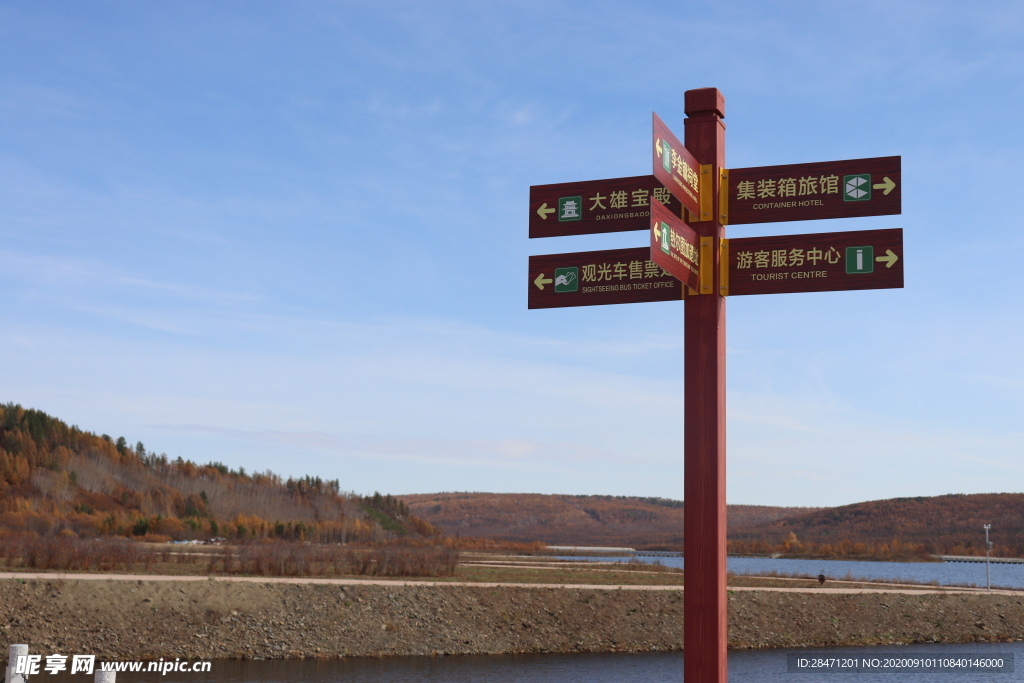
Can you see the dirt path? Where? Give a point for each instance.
(884, 588)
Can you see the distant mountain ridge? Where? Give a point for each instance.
(573, 520)
(949, 524)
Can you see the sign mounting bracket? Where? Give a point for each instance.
(723, 268)
(707, 265)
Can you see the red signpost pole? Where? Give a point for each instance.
(815, 262)
(705, 628)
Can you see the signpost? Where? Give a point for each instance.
(594, 278)
(674, 247)
(818, 262)
(594, 206)
(804, 192)
(690, 258)
(705, 613)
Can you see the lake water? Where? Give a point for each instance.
(946, 573)
(767, 666)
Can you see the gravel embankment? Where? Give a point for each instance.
(123, 620)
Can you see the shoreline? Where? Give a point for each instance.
(121, 617)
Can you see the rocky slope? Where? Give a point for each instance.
(120, 620)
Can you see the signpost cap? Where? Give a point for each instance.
(704, 100)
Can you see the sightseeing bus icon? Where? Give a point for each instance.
(566, 280)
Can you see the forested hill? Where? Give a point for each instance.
(949, 524)
(60, 479)
(573, 520)
(900, 528)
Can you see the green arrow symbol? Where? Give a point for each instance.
(886, 185)
(543, 211)
(889, 258)
(541, 280)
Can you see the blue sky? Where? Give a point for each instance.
(293, 236)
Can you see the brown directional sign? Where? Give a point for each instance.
(817, 262)
(593, 278)
(675, 167)
(674, 246)
(804, 192)
(594, 206)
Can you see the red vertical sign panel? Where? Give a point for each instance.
(674, 246)
(675, 167)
